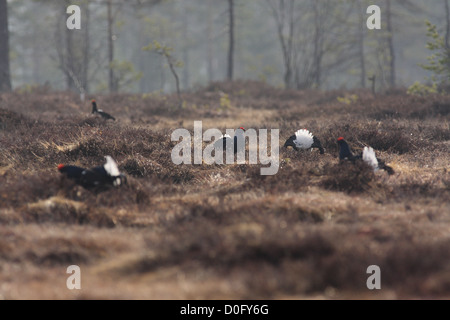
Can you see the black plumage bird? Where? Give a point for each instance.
(99, 177)
(367, 155)
(100, 112)
(303, 139)
(238, 141)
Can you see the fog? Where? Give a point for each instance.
(287, 43)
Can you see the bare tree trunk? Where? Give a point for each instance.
(447, 24)
(69, 63)
(143, 83)
(362, 62)
(392, 80)
(162, 77)
(112, 86)
(286, 42)
(70, 55)
(289, 47)
(318, 43)
(5, 76)
(209, 49)
(231, 40)
(86, 53)
(170, 61)
(361, 36)
(185, 52)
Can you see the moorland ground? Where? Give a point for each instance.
(225, 231)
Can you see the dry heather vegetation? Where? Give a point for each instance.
(225, 231)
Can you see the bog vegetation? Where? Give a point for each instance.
(225, 231)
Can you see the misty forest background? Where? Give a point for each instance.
(320, 44)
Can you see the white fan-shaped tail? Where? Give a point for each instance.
(111, 167)
(304, 139)
(370, 158)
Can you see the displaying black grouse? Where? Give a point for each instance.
(97, 177)
(238, 140)
(367, 155)
(100, 112)
(303, 139)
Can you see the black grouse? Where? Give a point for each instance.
(97, 177)
(367, 155)
(303, 139)
(227, 141)
(100, 112)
